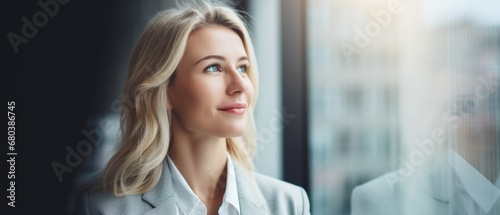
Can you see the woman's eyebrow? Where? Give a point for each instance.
(243, 58)
(218, 57)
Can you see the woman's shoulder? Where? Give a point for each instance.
(283, 194)
(275, 185)
(93, 199)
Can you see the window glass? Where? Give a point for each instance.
(400, 93)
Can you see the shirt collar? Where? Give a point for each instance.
(188, 201)
(231, 194)
(484, 193)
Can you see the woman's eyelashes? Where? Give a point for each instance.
(212, 68)
(218, 68)
(242, 69)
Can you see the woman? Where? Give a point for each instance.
(188, 138)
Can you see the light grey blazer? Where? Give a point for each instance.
(431, 192)
(268, 196)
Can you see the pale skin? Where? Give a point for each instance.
(475, 132)
(212, 74)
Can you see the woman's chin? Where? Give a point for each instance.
(233, 132)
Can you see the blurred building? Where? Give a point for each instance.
(369, 67)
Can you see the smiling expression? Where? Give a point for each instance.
(211, 91)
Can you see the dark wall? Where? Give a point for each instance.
(70, 70)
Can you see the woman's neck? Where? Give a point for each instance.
(201, 159)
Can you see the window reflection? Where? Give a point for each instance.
(409, 119)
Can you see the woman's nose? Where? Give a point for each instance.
(236, 82)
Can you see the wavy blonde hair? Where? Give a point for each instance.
(136, 166)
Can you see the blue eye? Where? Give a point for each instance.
(242, 69)
(212, 68)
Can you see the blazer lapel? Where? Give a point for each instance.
(444, 186)
(161, 196)
(250, 197)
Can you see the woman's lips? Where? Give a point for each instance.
(235, 108)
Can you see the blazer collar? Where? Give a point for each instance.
(162, 197)
(444, 183)
(251, 199)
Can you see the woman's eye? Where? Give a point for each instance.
(212, 68)
(464, 106)
(471, 105)
(242, 69)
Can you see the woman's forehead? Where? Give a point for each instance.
(214, 39)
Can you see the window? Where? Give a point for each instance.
(377, 73)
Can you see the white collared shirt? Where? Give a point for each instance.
(482, 191)
(188, 203)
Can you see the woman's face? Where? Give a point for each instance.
(211, 91)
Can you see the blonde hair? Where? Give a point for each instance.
(136, 166)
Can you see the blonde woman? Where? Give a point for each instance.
(188, 138)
